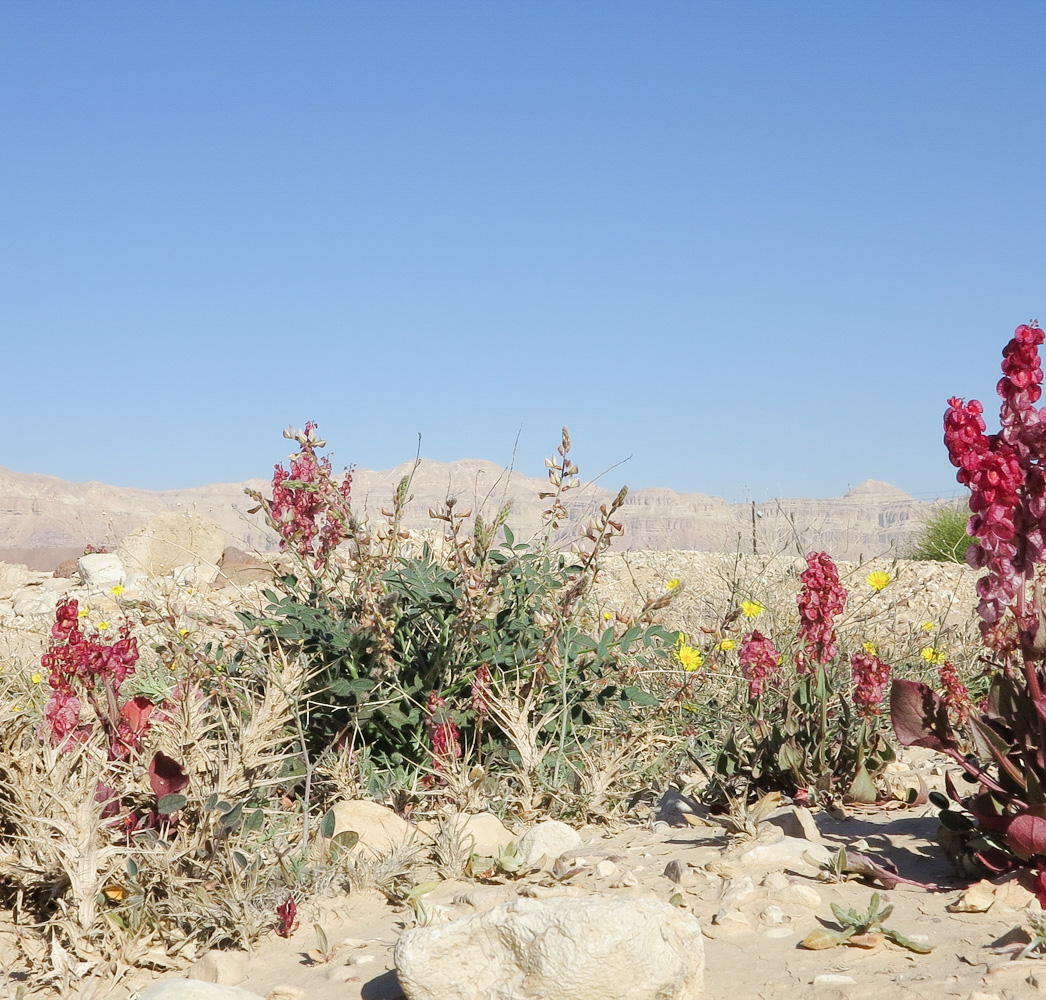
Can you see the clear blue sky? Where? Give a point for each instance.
(755, 246)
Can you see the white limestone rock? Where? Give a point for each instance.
(613, 948)
(548, 839)
(173, 540)
(101, 571)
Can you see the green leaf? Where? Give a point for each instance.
(328, 824)
(637, 696)
(170, 803)
(630, 636)
(231, 818)
(347, 839)
(255, 821)
(862, 788)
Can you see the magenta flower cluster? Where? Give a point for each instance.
(443, 734)
(310, 512)
(871, 676)
(78, 665)
(956, 694)
(759, 660)
(821, 600)
(1005, 475)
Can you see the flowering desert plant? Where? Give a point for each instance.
(1006, 474)
(811, 726)
(417, 655)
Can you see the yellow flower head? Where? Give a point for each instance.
(102, 626)
(752, 609)
(607, 615)
(877, 580)
(83, 612)
(689, 658)
(672, 584)
(870, 649)
(116, 591)
(725, 645)
(929, 626)
(183, 632)
(932, 655)
(36, 678)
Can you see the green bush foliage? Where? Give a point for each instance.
(943, 537)
(410, 653)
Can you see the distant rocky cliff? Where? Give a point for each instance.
(44, 520)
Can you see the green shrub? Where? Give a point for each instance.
(943, 536)
(485, 645)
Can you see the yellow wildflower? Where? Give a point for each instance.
(83, 612)
(932, 655)
(929, 626)
(877, 580)
(183, 632)
(752, 609)
(607, 615)
(117, 590)
(725, 645)
(102, 626)
(36, 678)
(672, 584)
(870, 649)
(689, 658)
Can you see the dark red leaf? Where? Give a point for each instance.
(166, 776)
(287, 914)
(1026, 835)
(136, 713)
(920, 716)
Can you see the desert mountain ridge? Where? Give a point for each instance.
(44, 519)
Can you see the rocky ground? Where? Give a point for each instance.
(755, 900)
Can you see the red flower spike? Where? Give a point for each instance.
(871, 676)
(821, 600)
(287, 914)
(759, 660)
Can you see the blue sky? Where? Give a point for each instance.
(754, 246)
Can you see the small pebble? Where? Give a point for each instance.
(674, 871)
(831, 980)
(773, 916)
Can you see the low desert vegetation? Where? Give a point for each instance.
(167, 787)
(943, 536)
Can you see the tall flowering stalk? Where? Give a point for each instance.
(308, 509)
(759, 661)
(809, 731)
(1006, 475)
(821, 600)
(870, 676)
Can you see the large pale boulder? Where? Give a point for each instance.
(101, 570)
(612, 948)
(13, 576)
(380, 829)
(547, 840)
(480, 833)
(171, 541)
(31, 601)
